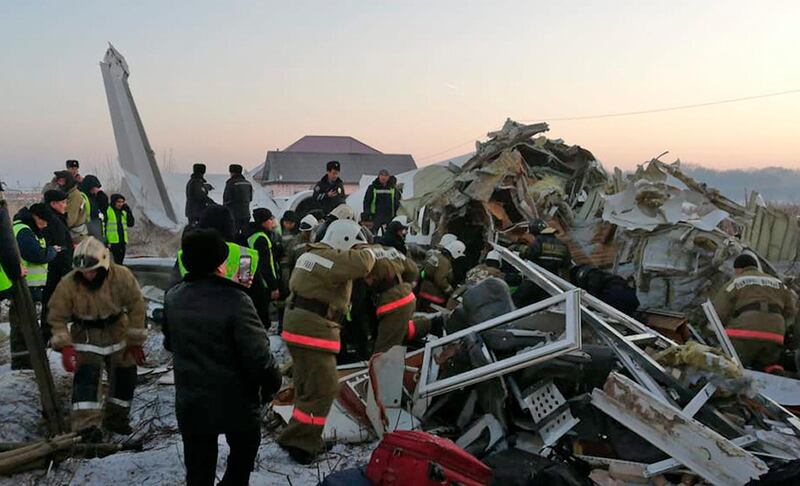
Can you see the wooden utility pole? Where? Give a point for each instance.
(26, 319)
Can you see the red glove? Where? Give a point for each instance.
(136, 353)
(69, 358)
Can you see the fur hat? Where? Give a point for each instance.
(203, 251)
(219, 218)
(54, 195)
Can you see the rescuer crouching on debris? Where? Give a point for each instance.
(547, 250)
(489, 268)
(438, 281)
(754, 308)
(392, 279)
(222, 361)
(320, 288)
(106, 308)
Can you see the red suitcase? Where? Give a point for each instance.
(411, 457)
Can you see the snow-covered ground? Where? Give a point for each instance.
(160, 462)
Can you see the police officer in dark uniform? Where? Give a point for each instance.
(329, 191)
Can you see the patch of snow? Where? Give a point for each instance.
(154, 423)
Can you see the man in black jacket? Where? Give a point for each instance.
(237, 197)
(261, 238)
(197, 198)
(382, 199)
(36, 255)
(98, 203)
(329, 191)
(56, 234)
(223, 366)
(220, 219)
(395, 235)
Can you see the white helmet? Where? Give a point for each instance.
(91, 254)
(343, 234)
(446, 239)
(455, 248)
(308, 222)
(403, 220)
(493, 255)
(343, 211)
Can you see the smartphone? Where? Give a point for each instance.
(244, 276)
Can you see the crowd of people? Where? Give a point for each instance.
(336, 287)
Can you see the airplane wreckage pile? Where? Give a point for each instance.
(570, 390)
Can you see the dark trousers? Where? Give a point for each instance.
(118, 252)
(241, 227)
(200, 457)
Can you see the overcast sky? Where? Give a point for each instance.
(224, 82)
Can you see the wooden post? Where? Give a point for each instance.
(27, 322)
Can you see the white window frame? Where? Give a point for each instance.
(569, 341)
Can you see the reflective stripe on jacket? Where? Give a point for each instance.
(37, 272)
(251, 242)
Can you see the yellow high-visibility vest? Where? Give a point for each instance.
(37, 272)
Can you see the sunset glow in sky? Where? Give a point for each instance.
(224, 82)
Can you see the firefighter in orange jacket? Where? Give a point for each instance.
(754, 307)
(320, 287)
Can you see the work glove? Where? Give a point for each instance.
(136, 353)
(69, 358)
(438, 323)
(126, 208)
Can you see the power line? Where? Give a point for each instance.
(633, 113)
(671, 108)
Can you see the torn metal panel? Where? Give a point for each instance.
(511, 134)
(431, 385)
(668, 465)
(772, 233)
(386, 375)
(136, 157)
(783, 390)
(711, 194)
(694, 445)
(646, 206)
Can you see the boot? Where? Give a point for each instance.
(91, 435)
(299, 456)
(116, 420)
